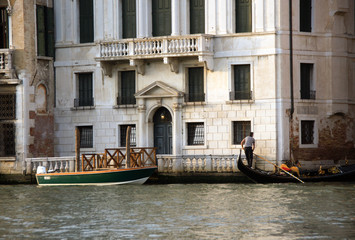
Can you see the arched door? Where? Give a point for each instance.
(162, 131)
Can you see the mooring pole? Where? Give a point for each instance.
(77, 149)
(128, 147)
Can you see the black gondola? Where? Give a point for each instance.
(345, 174)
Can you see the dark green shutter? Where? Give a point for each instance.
(242, 81)
(41, 31)
(86, 21)
(85, 89)
(243, 15)
(197, 16)
(128, 87)
(305, 15)
(129, 18)
(196, 87)
(161, 11)
(50, 32)
(306, 70)
(4, 26)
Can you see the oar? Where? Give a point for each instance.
(280, 168)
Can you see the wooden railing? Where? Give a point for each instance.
(116, 158)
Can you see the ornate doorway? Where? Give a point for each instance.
(162, 131)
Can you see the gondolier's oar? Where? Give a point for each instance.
(280, 168)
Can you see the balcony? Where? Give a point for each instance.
(170, 49)
(7, 72)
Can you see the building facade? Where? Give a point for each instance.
(193, 77)
(26, 83)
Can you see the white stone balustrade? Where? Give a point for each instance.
(62, 164)
(6, 65)
(156, 47)
(198, 163)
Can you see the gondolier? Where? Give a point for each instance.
(249, 143)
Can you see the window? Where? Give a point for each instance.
(86, 136)
(84, 91)
(241, 83)
(161, 16)
(243, 16)
(307, 91)
(127, 88)
(197, 16)
(128, 18)
(4, 29)
(307, 132)
(123, 134)
(195, 133)
(45, 31)
(195, 85)
(86, 21)
(305, 15)
(7, 124)
(241, 129)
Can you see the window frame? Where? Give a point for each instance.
(315, 133)
(45, 43)
(77, 89)
(187, 85)
(231, 82)
(91, 38)
(233, 132)
(188, 143)
(122, 135)
(8, 124)
(120, 88)
(312, 81)
(86, 147)
(302, 17)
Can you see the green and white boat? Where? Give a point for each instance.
(136, 175)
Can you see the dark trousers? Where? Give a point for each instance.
(249, 155)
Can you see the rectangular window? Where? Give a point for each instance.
(86, 136)
(45, 31)
(128, 18)
(306, 15)
(307, 90)
(307, 132)
(85, 90)
(241, 83)
(161, 17)
(195, 134)
(127, 88)
(241, 129)
(196, 85)
(86, 21)
(123, 134)
(243, 15)
(7, 124)
(4, 28)
(197, 16)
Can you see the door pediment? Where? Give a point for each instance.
(158, 89)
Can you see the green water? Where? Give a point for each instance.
(177, 211)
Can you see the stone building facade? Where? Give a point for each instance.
(26, 83)
(193, 77)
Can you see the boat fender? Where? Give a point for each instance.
(41, 169)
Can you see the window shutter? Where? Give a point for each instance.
(128, 87)
(41, 31)
(4, 26)
(196, 89)
(242, 81)
(161, 11)
(197, 16)
(305, 15)
(85, 89)
(243, 16)
(50, 32)
(86, 21)
(129, 18)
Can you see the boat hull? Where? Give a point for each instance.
(101, 177)
(347, 174)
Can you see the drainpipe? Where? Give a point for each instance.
(291, 80)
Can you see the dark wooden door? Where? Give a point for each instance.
(243, 16)
(161, 11)
(197, 16)
(129, 18)
(163, 131)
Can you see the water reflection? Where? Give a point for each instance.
(201, 211)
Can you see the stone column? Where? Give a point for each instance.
(144, 20)
(177, 129)
(141, 128)
(175, 17)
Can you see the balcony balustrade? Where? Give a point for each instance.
(169, 48)
(6, 65)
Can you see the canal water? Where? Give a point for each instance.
(179, 211)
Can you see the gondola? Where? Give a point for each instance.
(346, 174)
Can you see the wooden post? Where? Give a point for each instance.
(128, 147)
(77, 149)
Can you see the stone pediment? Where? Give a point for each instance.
(158, 89)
